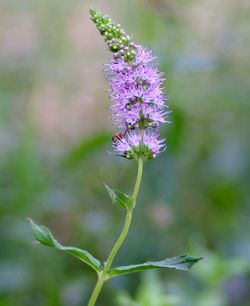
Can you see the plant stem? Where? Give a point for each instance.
(96, 291)
(102, 277)
(138, 180)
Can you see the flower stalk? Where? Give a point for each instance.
(103, 275)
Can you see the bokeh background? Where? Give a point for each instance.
(55, 132)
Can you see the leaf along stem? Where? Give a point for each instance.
(103, 275)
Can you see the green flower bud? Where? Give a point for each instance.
(115, 37)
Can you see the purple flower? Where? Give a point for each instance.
(136, 91)
(134, 144)
(137, 103)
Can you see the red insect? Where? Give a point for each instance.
(117, 136)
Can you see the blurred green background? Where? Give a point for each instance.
(55, 132)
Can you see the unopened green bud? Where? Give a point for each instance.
(115, 37)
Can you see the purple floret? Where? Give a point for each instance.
(137, 104)
(136, 91)
(131, 144)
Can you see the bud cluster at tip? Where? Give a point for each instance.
(116, 38)
(136, 93)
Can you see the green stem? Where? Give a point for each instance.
(119, 242)
(96, 291)
(103, 275)
(138, 180)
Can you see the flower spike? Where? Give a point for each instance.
(136, 92)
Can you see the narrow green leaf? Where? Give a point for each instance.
(44, 236)
(83, 256)
(119, 198)
(182, 262)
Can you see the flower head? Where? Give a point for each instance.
(133, 145)
(136, 92)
